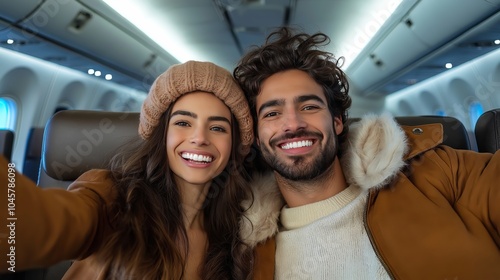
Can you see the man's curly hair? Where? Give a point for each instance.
(287, 49)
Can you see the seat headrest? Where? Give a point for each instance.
(455, 133)
(6, 143)
(34, 145)
(76, 141)
(487, 131)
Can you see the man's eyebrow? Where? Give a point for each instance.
(308, 97)
(270, 103)
(299, 99)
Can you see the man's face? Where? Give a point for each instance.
(296, 132)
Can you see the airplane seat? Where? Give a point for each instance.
(487, 131)
(6, 143)
(33, 153)
(455, 133)
(75, 141)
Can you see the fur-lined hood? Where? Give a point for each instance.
(373, 155)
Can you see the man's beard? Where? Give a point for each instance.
(300, 170)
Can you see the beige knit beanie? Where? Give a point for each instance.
(196, 76)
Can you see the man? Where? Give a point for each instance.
(377, 202)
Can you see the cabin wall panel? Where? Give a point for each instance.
(455, 90)
(39, 87)
(26, 81)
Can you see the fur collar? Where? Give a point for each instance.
(373, 155)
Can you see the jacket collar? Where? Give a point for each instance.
(377, 148)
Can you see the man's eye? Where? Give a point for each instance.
(309, 107)
(271, 114)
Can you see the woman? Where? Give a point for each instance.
(168, 207)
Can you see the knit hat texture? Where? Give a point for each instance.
(193, 76)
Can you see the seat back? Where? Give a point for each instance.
(455, 133)
(33, 153)
(487, 131)
(76, 141)
(6, 143)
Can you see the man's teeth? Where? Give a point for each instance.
(297, 144)
(196, 157)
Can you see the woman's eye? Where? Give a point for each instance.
(181, 123)
(219, 129)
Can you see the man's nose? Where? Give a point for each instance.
(293, 121)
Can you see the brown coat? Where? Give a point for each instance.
(432, 212)
(67, 225)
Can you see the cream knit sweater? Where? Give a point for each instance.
(327, 240)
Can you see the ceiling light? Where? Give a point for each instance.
(380, 12)
(448, 65)
(168, 35)
(158, 28)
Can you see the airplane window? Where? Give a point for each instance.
(440, 112)
(475, 111)
(8, 113)
(60, 108)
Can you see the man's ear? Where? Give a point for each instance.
(338, 125)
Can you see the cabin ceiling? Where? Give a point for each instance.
(222, 30)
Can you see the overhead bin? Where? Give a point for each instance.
(78, 27)
(425, 27)
(14, 11)
(398, 48)
(437, 22)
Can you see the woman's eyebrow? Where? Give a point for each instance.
(194, 115)
(184, 113)
(219, 118)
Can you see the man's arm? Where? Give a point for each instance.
(477, 180)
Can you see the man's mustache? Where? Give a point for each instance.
(297, 134)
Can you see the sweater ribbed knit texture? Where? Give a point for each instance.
(327, 240)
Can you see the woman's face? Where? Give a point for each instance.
(198, 137)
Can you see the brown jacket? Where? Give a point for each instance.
(432, 212)
(53, 225)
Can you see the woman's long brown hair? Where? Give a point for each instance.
(147, 220)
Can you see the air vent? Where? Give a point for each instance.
(80, 20)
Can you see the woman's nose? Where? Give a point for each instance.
(199, 137)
